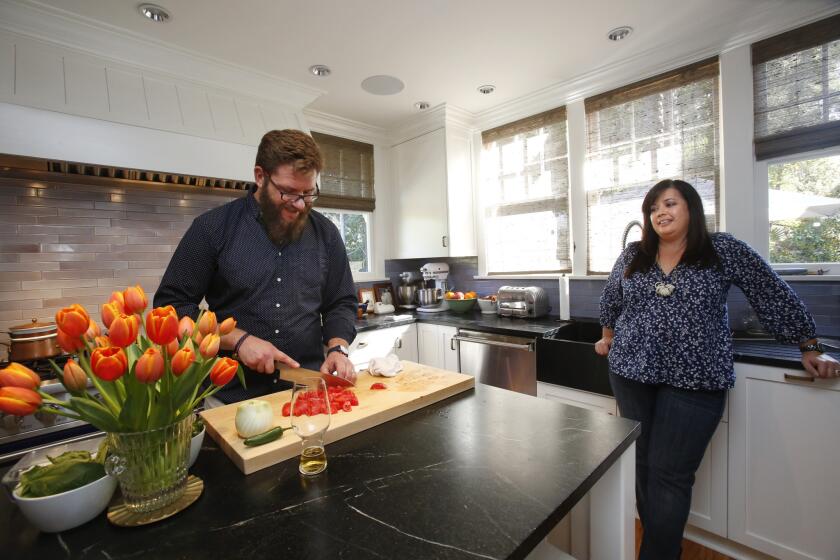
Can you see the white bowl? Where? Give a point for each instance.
(487, 305)
(60, 512)
(195, 446)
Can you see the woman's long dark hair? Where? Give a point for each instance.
(699, 250)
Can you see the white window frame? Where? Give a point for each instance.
(762, 212)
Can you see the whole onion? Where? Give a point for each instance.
(254, 417)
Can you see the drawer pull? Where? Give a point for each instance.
(398, 343)
(808, 378)
(361, 345)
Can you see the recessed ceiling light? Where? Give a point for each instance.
(422, 105)
(486, 89)
(620, 33)
(382, 85)
(320, 70)
(154, 12)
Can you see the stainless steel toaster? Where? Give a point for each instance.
(522, 301)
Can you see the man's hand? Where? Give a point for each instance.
(338, 363)
(820, 365)
(260, 355)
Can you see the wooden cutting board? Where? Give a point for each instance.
(412, 389)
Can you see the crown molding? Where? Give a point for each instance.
(59, 27)
(344, 127)
(638, 67)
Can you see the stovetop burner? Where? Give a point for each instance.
(42, 367)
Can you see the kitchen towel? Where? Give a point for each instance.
(389, 366)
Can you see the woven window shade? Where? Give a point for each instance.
(347, 178)
(796, 88)
(665, 127)
(525, 195)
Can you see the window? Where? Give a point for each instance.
(355, 232)
(665, 127)
(796, 79)
(796, 90)
(347, 177)
(524, 196)
(347, 195)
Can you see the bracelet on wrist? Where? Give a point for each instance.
(238, 345)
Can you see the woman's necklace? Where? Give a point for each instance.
(663, 288)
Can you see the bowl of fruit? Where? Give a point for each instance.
(460, 302)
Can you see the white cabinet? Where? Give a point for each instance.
(436, 347)
(400, 340)
(708, 497)
(574, 397)
(784, 449)
(433, 202)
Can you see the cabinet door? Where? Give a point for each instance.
(405, 345)
(380, 343)
(420, 197)
(581, 399)
(783, 457)
(429, 345)
(449, 348)
(708, 498)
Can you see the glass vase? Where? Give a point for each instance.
(151, 466)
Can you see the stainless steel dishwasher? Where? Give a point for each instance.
(509, 362)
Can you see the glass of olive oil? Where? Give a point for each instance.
(310, 420)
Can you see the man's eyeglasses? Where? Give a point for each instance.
(308, 198)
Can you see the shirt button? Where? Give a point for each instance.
(279, 253)
(276, 305)
(278, 279)
(276, 331)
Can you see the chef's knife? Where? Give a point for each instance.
(297, 375)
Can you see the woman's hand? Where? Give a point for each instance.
(602, 347)
(820, 365)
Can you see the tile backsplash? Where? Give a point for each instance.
(822, 298)
(462, 272)
(64, 243)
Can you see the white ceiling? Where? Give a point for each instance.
(443, 49)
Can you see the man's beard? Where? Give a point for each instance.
(280, 231)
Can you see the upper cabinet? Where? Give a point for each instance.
(433, 193)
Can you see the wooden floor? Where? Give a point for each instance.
(690, 550)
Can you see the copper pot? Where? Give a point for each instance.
(33, 341)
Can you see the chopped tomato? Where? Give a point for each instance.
(378, 386)
(287, 407)
(347, 407)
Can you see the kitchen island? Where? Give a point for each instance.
(484, 474)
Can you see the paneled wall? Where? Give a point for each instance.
(64, 243)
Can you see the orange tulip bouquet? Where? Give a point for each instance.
(140, 383)
(146, 378)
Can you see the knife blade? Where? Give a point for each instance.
(297, 375)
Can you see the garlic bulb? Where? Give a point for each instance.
(253, 417)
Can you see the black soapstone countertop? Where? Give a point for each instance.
(483, 474)
(745, 349)
(476, 320)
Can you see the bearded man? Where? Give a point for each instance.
(275, 265)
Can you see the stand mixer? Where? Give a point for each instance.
(431, 299)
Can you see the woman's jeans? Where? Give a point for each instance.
(677, 425)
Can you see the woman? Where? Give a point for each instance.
(665, 328)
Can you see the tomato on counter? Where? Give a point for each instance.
(308, 404)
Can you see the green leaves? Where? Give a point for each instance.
(68, 471)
